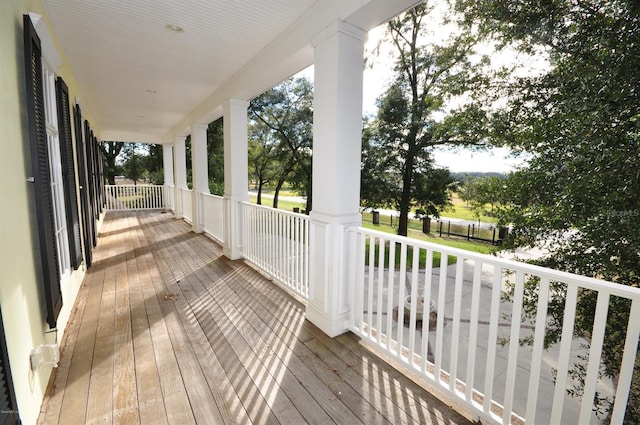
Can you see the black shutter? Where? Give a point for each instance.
(8, 406)
(68, 173)
(40, 169)
(92, 182)
(84, 185)
(100, 174)
(96, 177)
(94, 170)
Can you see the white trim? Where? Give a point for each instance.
(49, 52)
(339, 27)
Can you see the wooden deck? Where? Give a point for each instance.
(168, 331)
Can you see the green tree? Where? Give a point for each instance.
(484, 195)
(375, 182)
(133, 161)
(110, 152)
(153, 164)
(284, 114)
(465, 189)
(579, 122)
(409, 124)
(215, 152)
(188, 161)
(261, 161)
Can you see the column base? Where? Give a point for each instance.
(329, 305)
(332, 326)
(232, 254)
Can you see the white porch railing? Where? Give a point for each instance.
(213, 211)
(135, 197)
(277, 242)
(187, 204)
(468, 347)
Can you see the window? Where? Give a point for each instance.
(69, 173)
(55, 170)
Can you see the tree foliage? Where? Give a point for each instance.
(262, 161)
(139, 161)
(413, 117)
(580, 125)
(215, 154)
(154, 164)
(133, 161)
(482, 194)
(282, 130)
(110, 152)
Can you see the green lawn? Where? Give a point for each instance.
(462, 211)
(283, 192)
(389, 224)
(480, 247)
(282, 204)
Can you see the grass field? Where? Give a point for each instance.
(462, 211)
(282, 203)
(415, 232)
(389, 224)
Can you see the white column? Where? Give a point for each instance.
(167, 162)
(236, 174)
(180, 167)
(199, 172)
(337, 141)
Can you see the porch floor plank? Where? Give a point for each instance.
(100, 400)
(166, 330)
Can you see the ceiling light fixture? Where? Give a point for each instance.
(174, 28)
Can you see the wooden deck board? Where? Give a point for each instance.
(168, 331)
(73, 409)
(188, 341)
(100, 396)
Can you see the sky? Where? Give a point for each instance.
(375, 78)
(377, 75)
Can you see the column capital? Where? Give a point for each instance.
(198, 125)
(238, 103)
(339, 27)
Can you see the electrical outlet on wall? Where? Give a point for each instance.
(44, 355)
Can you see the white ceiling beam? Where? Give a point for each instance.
(377, 12)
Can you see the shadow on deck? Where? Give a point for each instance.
(168, 331)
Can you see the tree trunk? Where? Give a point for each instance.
(276, 193)
(405, 199)
(259, 200)
(309, 195)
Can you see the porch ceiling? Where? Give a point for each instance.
(142, 82)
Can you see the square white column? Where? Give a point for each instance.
(236, 174)
(167, 162)
(180, 168)
(337, 141)
(199, 173)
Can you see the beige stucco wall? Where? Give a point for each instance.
(21, 301)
